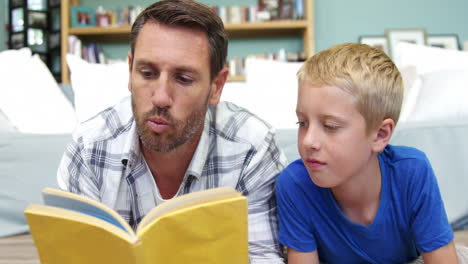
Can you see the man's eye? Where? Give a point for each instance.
(147, 74)
(184, 79)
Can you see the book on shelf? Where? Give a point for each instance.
(299, 9)
(208, 226)
(264, 10)
(90, 52)
(286, 9)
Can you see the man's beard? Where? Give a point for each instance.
(184, 130)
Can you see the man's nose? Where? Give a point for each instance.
(162, 94)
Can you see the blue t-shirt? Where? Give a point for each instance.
(410, 219)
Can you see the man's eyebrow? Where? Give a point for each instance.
(143, 62)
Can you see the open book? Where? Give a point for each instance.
(208, 226)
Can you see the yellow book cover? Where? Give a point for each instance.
(208, 226)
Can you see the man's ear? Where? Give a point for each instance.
(217, 85)
(130, 67)
(383, 134)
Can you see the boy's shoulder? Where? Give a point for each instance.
(404, 161)
(397, 154)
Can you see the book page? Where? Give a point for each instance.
(214, 231)
(186, 200)
(79, 203)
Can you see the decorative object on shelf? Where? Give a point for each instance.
(38, 19)
(414, 36)
(446, 41)
(36, 24)
(81, 16)
(265, 10)
(379, 42)
(17, 41)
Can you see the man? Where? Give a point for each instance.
(174, 136)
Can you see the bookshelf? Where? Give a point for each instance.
(275, 28)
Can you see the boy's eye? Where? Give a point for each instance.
(330, 127)
(301, 123)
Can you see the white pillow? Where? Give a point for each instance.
(443, 95)
(96, 86)
(30, 96)
(235, 92)
(270, 91)
(5, 124)
(429, 59)
(412, 85)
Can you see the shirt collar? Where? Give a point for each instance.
(200, 156)
(131, 150)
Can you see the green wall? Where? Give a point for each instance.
(3, 21)
(336, 21)
(339, 21)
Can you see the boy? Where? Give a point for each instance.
(352, 197)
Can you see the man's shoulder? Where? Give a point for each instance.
(110, 124)
(238, 124)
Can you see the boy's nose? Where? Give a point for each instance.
(311, 139)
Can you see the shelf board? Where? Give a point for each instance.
(112, 33)
(273, 28)
(113, 30)
(237, 78)
(268, 25)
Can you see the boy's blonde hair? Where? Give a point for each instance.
(367, 73)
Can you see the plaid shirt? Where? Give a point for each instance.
(236, 149)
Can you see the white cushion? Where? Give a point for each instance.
(96, 86)
(414, 61)
(30, 96)
(443, 95)
(270, 91)
(429, 59)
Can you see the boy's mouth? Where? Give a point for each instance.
(315, 164)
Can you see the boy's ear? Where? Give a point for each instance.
(383, 134)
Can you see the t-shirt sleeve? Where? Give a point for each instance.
(294, 228)
(429, 222)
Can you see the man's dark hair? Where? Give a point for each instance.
(190, 14)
